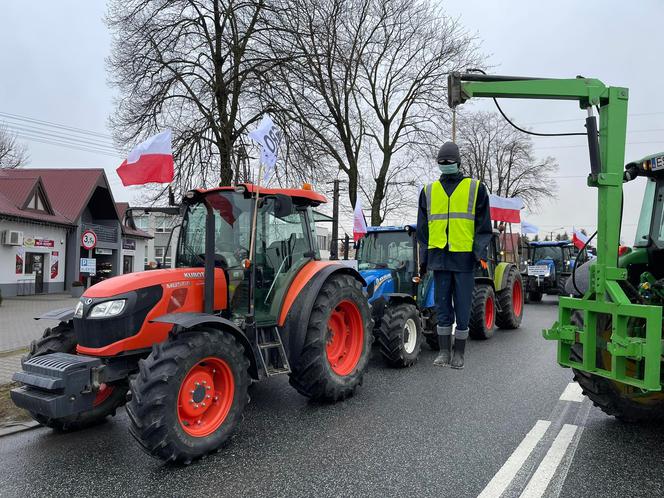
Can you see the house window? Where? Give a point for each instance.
(322, 242)
(159, 255)
(163, 224)
(141, 222)
(37, 202)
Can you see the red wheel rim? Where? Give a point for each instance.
(205, 397)
(346, 338)
(517, 298)
(489, 311)
(103, 394)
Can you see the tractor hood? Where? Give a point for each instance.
(370, 276)
(548, 263)
(170, 278)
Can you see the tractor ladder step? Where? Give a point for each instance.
(272, 353)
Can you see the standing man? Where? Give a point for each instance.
(454, 230)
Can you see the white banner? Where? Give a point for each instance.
(268, 136)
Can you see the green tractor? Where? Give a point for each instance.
(610, 334)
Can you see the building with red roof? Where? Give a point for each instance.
(44, 214)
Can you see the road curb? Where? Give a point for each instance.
(13, 429)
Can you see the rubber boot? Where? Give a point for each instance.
(445, 344)
(459, 349)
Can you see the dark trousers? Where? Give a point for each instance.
(453, 293)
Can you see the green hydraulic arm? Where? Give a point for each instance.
(605, 296)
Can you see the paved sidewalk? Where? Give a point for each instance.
(17, 326)
(9, 365)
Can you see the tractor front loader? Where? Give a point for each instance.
(611, 334)
(185, 343)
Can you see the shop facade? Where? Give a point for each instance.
(42, 249)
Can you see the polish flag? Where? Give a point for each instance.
(579, 239)
(506, 209)
(149, 162)
(359, 223)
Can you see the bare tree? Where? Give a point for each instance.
(12, 153)
(503, 159)
(192, 66)
(403, 83)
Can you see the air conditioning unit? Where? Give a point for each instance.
(12, 238)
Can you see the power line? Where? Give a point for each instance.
(35, 132)
(73, 146)
(17, 117)
(636, 114)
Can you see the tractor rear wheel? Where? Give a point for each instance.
(400, 335)
(62, 339)
(337, 347)
(189, 395)
(511, 302)
(483, 313)
(627, 403)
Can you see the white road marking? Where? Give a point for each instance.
(506, 474)
(573, 392)
(547, 467)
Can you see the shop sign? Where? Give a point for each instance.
(89, 265)
(104, 252)
(30, 242)
(129, 244)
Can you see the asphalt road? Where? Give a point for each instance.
(424, 431)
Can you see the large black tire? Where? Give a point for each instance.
(483, 313)
(400, 335)
(62, 339)
(510, 300)
(534, 297)
(157, 403)
(313, 376)
(627, 403)
(432, 341)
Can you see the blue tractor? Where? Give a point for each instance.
(548, 266)
(402, 300)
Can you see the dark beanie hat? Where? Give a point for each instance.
(449, 152)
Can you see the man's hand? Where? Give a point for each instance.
(423, 270)
(484, 264)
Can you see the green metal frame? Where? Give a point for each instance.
(604, 295)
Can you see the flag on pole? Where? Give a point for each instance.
(528, 227)
(268, 136)
(149, 162)
(506, 209)
(359, 223)
(579, 238)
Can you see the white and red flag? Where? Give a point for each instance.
(359, 223)
(579, 238)
(506, 209)
(149, 162)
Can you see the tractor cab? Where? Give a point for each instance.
(386, 252)
(549, 266)
(284, 244)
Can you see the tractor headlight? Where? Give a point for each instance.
(107, 309)
(78, 310)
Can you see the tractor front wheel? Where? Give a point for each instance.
(534, 297)
(483, 313)
(625, 402)
(400, 335)
(189, 395)
(62, 339)
(511, 302)
(337, 347)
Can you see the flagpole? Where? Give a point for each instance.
(254, 221)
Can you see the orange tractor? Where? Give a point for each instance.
(249, 299)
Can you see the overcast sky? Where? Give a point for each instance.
(52, 62)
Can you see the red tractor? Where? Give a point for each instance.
(184, 344)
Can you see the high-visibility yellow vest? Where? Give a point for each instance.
(452, 218)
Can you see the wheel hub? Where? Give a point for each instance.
(345, 338)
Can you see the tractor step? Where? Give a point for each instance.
(271, 351)
(56, 385)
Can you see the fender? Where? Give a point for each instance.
(188, 320)
(501, 274)
(400, 296)
(485, 280)
(299, 301)
(60, 315)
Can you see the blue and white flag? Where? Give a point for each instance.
(268, 136)
(528, 227)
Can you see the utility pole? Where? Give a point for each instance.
(334, 248)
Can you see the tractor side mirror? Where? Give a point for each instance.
(283, 205)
